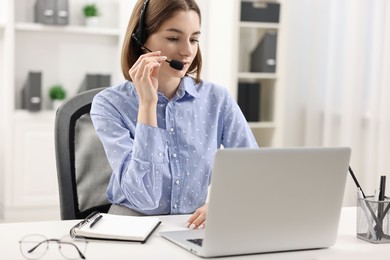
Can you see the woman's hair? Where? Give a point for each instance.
(156, 13)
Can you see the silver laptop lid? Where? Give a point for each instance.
(273, 199)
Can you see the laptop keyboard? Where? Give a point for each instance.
(197, 241)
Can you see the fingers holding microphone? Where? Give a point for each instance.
(151, 61)
(144, 74)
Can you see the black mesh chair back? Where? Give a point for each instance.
(82, 167)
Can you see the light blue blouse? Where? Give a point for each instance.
(167, 170)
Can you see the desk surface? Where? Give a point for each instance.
(347, 245)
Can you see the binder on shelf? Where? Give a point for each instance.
(32, 92)
(52, 12)
(263, 57)
(101, 226)
(44, 11)
(62, 12)
(92, 81)
(259, 11)
(249, 100)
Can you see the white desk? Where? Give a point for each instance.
(347, 245)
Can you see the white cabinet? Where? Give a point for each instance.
(230, 42)
(250, 34)
(2, 105)
(64, 55)
(31, 191)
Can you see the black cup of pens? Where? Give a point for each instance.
(373, 219)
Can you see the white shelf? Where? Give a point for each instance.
(269, 125)
(34, 27)
(259, 25)
(249, 34)
(257, 75)
(64, 54)
(41, 114)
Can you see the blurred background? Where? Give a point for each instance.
(305, 73)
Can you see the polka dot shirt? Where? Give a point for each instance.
(167, 169)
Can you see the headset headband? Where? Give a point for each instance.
(140, 34)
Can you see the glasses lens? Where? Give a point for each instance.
(71, 249)
(33, 246)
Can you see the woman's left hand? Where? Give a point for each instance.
(198, 219)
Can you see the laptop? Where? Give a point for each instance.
(270, 200)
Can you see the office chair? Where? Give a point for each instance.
(83, 170)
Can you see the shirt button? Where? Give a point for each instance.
(160, 154)
(174, 155)
(175, 206)
(171, 129)
(177, 182)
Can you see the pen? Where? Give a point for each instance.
(382, 188)
(381, 198)
(356, 181)
(376, 195)
(95, 221)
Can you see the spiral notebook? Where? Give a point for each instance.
(103, 226)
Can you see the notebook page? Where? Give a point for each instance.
(119, 227)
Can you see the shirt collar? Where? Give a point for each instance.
(187, 84)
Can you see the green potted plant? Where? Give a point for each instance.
(91, 14)
(57, 94)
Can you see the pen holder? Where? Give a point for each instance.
(373, 220)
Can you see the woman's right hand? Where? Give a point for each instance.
(144, 74)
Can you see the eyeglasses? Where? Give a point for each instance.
(35, 246)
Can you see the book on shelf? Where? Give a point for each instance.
(102, 226)
(32, 91)
(52, 12)
(263, 57)
(249, 100)
(260, 11)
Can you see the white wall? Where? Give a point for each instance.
(336, 82)
(3, 125)
(305, 29)
(220, 28)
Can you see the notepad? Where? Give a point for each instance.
(115, 227)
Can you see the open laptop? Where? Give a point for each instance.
(270, 200)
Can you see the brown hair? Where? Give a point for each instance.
(157, 12)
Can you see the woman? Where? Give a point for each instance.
(161, 128)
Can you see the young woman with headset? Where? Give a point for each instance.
(161, 128)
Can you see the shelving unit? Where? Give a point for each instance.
(64, 55)
(2, 107)
(73, 47)
(248, 35)
(70, 29)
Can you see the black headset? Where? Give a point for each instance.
(140, 34)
